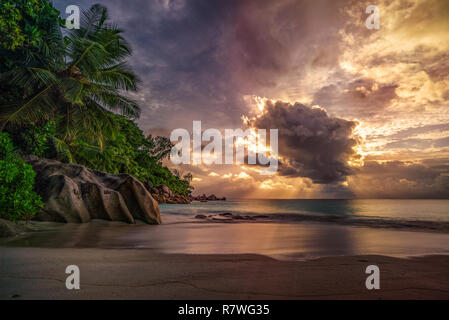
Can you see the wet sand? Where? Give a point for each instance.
(223, 261)
(295, 241)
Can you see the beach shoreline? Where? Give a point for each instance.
(223, 261)
(284, 241)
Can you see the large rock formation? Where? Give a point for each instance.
(73, 193)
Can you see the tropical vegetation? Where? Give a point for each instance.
(67, 94)
(18, 200)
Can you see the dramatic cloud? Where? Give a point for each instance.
(311, 144)
(199, 60)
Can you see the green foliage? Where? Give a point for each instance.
(17, 199)
(23, 24)
(38, 139)
(35, 139)
(127, 150)
(118, 156)
(162, 175)
(60, 95)
(74, 81)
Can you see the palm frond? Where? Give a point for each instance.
(119, 75)
(34, 109)
(77, 80)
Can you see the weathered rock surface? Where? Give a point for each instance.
(73, 193)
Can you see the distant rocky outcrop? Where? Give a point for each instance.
(163, 194)
(73, 193)
(205, 198)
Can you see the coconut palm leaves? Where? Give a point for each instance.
(74, 80)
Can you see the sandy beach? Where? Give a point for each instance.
(223, 261)
(38, 273)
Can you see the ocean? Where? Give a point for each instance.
(304, 229)
(282, 229)
(397, 213)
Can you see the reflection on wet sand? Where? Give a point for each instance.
(283, 241)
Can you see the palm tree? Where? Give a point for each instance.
(76, 80)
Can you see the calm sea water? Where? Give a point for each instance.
(298, 229)
(382, 209)
(288, 229)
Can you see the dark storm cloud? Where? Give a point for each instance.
(311, 143)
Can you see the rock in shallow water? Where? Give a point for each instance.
(73, 193)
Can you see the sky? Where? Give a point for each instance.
(361, 113)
